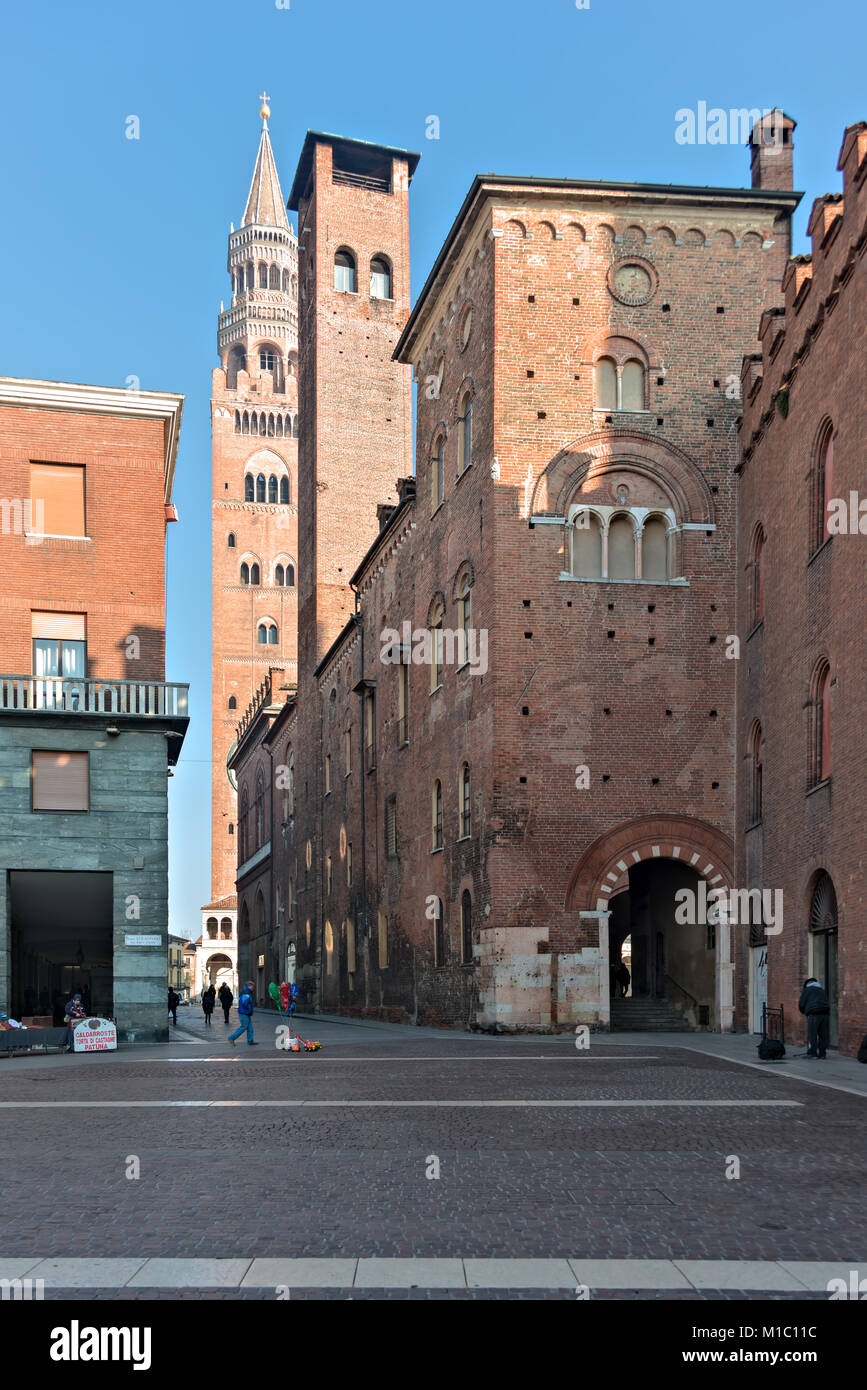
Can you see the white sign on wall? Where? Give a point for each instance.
(143, 940)
(94, 1035)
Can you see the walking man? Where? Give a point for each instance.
(814, 1003)
(245, 1015)
(226, 998)
(174, 1001)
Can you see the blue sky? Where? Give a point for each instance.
(114, 250)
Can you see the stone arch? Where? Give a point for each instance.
(513, 231)
(604, 234)
(664, 236)
(545, 230)
(723, 237)
(603, 451)
(603, 869)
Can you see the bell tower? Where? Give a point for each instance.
(254, 526)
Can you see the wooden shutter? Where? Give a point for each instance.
(64, 627)
(60, 781)
(57, 498)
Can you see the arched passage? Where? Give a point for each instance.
(649, 883)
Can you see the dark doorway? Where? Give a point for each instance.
(61, 942)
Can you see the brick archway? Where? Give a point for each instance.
(603, 868)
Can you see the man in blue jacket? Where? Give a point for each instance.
(245, 1014)
(814, 1004)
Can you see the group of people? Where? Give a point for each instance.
(209, 1001)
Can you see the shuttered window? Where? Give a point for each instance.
(59, 644)
(60, 781)
(57, 499)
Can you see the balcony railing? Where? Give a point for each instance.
(70, 695)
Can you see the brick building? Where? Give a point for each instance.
(802, 577)
(511, 744)
(254, 425)
(88, 726)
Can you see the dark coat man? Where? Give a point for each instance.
(226, 998)
(814, 1004)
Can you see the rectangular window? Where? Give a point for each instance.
(347, 751)
(328, 874)
(370, 728)
(59, 644)
(349, 864)
(327, 773)
(350, 947)
(60, 781)
(57, 499)
(402, 704)
(391, 826)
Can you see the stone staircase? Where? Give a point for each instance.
(646, 1016)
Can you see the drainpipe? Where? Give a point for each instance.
(363, 771)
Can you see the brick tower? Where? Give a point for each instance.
(254, 430)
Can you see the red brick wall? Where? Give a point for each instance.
(813, 608)
(117, 575)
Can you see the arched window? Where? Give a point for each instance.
(621, 548)
(329, 949)
(272, 428)
(245, 573)
(438, 473)
(279, 426)
(225, 928)
(284, 492)
(631, 386)
(290, 576)
(273, 494)
(820, 769)
(212, 928)
(278, 575)
(255, 577)
(245, 423)
(237, 422)
(286, 282)
(260, 808)
(465, 613)
(465, 433)
(382, 938)
(263, 276)
(274, 277)
(436, 646)
(380, 278)
(464, 801)
(231, 540)
(266, 634)
(756, 760)
(290, 783)
(237, 363)
(823, 485)
(466, 928)
(249, 488)
(437, 816)
(757, 587)
(606, 384)
(233, 703)
(260, 488)
(244, 824)
(251, 276)
(439, 935)
(295, 427)
(344, 271)
(586, 539)
(654, 549)
(263, 424)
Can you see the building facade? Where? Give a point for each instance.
(510, 753)
(254, 424)
(802, 576)
(89, 728)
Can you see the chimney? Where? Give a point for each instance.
(771, 151)
(383, 512)
(405, 489)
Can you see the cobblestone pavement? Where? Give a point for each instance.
(225, 1172)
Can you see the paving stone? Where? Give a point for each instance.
(300, 1274)
(738, 1274)
(407, 1274)
(181, 1273)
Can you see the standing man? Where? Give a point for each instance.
(245, 1014)
(814, 1003)
(174, 1001)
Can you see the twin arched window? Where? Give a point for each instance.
(250, 574)
(266, 634)
(619, 546)
(619, 384)
(346, 277)
(284, 576)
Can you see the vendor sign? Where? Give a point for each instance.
(94, 1035)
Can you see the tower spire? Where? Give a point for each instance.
(265, 206)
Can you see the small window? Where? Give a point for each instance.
(654, 550)
(60, 781)
(233, 703)
(347, 752)
(382, 936)
(231, 540)
(586, 542)
(279, 576)
(328, 874)
(380, 278)
(823, 486)
(758, 577)
(327, 773)
(436, 649)
(632, 386)
(464, 801)
(391, 827)
(211, 926)
(329, 948)
(260, 488)
(245, 573)
(820, 768)
(255, 577)
(349, 864)
(350, 948)
(290, 576)
(272, 489)
(56, 499)
(438, 474)
(606, 384)
(437, 816)
(465, 434)
(284, 492)
(344, 272)
(466, 928)
(266, 634)
(756, 760)
(621, 548)
(402, 704)
(370, 728)
(465, 614)
(249, 488)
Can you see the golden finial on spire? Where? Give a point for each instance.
(264, 109)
